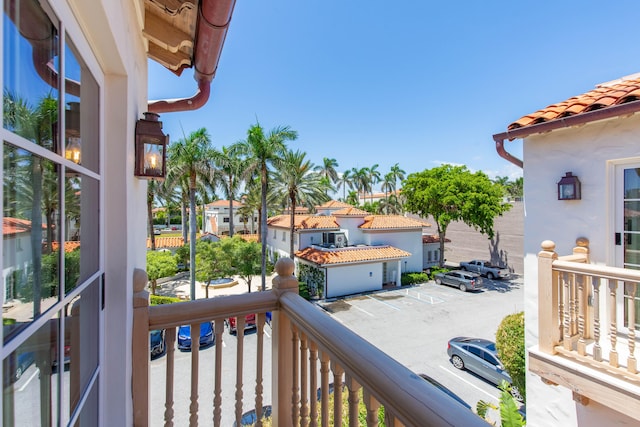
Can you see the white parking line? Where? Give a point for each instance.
(35, 372)
(364, 311)
(472, 385)
(266, 333)
(382, 302)
(428, 299)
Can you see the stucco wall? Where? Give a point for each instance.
(585, 151)
(410, 241)
(351, 279)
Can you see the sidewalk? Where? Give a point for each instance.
(180, 286)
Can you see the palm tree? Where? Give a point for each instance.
(298, 185)
(361, 181)
(262, 150)
(328, 171)
(152, 189)
(345, 181)
(398, 174)
(231, 168)
(388, 186)
(189, 158)
(373, 178)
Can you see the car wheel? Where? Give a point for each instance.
(516, 393)
(457, 362)
(438, 281)
(490, 276)
(18, 372)
(463, 287)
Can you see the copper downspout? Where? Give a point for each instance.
(214, 17)
(625, 109)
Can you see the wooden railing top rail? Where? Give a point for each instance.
(202, 310)
(603, 271)
(414, 401)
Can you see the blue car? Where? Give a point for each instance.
(24, 360)
(156, 343)
(207, 337)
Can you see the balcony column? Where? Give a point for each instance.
(281, 354)
(140, 349)
(548, 299)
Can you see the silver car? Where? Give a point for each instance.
(480, 357)
(463, 280)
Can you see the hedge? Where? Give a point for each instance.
(160, 299)
(510, 346)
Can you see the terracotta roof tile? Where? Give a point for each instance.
(391, 221)
(427, 238)
(249, 237)
(333, 204)
(605, 95)
(351, 211)
(350, 255)
(304, 222)
(69, 246)
(166, 242)
(224, 204)
(12, 226)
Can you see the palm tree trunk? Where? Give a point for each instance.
(263, 224)
(231, 213)
(183, 207)
(292, 224)
(150, 219)
(192, 237)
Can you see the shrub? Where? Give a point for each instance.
(510, 346)
(159, 300)
(413, 278)
(435, 270)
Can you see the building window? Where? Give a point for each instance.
(225, 219)
(275, 232)
(429, 256)
(51, 152)
(284, 236)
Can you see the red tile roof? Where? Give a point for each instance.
(376, 222)
(350, 255)
(333, 204)
(166, 242)
(304, 222)
(605, 95)
(426, 238)
(11, 226)
(69, 246)
(224, 204)
(351, 211)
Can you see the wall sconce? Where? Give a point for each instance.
(151, 147)
(569, 187)
(72, 150)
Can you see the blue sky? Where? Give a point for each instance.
(416, 83)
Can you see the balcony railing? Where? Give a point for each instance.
(312, 355)
(587, 328)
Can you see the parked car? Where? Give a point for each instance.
(479, 356)
(485, 268)
(250, 418)
(462, 280)
(21, 363)
(249, 323)
(207, 338)
(445, 390)
(156, 343)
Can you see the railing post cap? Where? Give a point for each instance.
(582, 242)
(285, 267)
(548, 246)
(140, 280)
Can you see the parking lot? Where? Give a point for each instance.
(414, 324)
(411, 324)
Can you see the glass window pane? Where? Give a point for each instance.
(632, 183)
(30, 396)
(632, 216)
(29, 235)
(631, 250)
(82, 227)
(81, 325)
(30, 80)
(81, 112)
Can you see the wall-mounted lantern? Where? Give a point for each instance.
(569, 187)
(151, 147)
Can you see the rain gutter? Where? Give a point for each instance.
(214, 17)
(625, 109)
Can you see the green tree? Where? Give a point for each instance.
(297, 185)
(511, 350)
(160, 264)
(373, 177)
(247, 260)
(398, 174)
(190, 159)
(452, 193)
(344, 181)
(214, 260)
(509, 414)
(261, 150)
